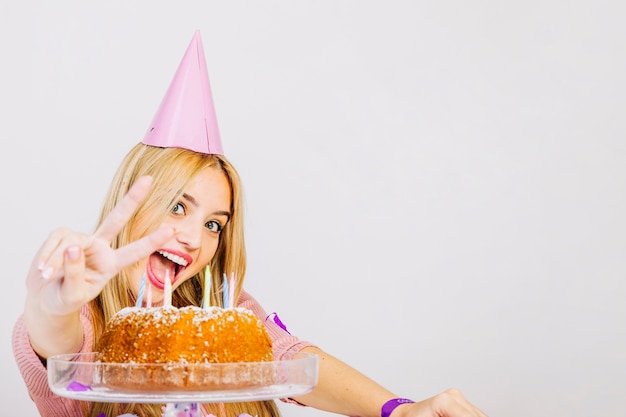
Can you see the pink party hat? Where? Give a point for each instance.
(186, 117)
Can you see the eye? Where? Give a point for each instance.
(214, 226)
(178, 208)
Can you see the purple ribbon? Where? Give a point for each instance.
(77, 386)
(276, 320)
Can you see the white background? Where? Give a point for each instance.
(435, 189)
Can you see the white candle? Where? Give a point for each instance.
(167, 292)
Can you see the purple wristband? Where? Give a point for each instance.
(391, 405)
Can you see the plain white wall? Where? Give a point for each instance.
(435, 189)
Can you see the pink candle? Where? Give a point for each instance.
(231, 290)
(149, 295)
(167, 291)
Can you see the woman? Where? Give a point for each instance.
(175, 204)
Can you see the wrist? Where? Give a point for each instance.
(392, 404)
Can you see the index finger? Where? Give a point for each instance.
(143, 247)
(123, 211)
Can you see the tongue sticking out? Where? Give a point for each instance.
(157, 265)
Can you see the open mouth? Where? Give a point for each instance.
(166, 261)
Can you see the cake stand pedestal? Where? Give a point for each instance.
(82, 377)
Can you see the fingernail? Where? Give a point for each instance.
(73, 252)
(47, 272)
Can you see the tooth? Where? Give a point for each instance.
(174, 258)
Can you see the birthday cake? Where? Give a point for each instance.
(169, 348)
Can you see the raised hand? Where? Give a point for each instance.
(71, 268)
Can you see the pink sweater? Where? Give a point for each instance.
(51, 405)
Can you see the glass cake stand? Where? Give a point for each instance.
(182, 387)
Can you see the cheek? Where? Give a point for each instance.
(209, 247)
(207, 251)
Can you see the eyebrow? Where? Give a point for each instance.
(190, 199)
(194, 202)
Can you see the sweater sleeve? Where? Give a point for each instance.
(283, 342)
(35, 374)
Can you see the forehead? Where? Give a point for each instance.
(210, 188)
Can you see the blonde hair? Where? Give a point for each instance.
(171, 170)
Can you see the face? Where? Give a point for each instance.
(198, 218)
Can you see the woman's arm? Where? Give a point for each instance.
(50, 334)
(71, 269)
(343, 390)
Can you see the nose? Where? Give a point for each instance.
(188, 234)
